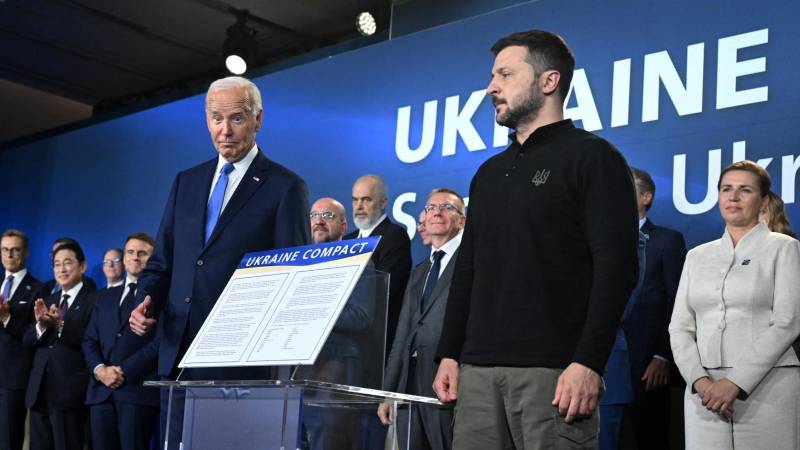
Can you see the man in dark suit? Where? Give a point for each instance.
(18, 292)
(393, 254)
(57, 385)
(122, 412)
(411, 367)
(217, 211)
(646, 327)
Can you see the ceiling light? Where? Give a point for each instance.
(365, 24)
(240, 48)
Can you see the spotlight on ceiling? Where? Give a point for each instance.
(365, 24)
(240, 48)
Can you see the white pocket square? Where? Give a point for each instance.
(23, 302)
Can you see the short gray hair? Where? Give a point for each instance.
(251, 91)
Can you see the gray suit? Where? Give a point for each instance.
(431, 424)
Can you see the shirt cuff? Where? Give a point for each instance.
(39, 331)
(8, 319)
(94, 372)
(660, 357)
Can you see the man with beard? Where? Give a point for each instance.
(393, 254)
(546, 265)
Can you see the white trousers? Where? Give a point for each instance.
(768, 420)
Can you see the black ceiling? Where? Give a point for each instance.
(112, 54)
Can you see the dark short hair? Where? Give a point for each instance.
(451, 192)
(546, 51)
(75, 249)
(141, 236)
(644, 182)
(11, 232)
(764, 180)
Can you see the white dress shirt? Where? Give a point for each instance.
(234, 177)
(368, 231)
(125, 291)
(449, 248)
(114, 284)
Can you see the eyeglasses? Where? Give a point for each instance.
(111, 262)
(11, 250)
(67, 264)
(326, 216)
(443, 207)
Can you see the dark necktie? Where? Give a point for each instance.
(7, 289)
(217, 197)
(433, 278)
(64, 307)
(127, 302)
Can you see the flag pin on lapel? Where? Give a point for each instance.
(745, 262)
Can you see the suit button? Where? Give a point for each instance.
(199, 262)
(187, 300)
(50, 346)
(119, 335)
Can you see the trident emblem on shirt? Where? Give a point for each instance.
(541, 177)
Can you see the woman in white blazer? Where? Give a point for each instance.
(736, 315)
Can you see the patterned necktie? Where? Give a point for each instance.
(433, 278)
(217, 196)
(64, 307)
(126, 303)
(7, 289)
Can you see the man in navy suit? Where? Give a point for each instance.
(217, 211)
(57, 386)
(646, 327)
(18, 292)
(122, 412)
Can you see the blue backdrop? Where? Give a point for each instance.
(681, 88)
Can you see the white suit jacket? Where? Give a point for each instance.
(738, 307)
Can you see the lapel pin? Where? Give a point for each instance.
(27, 288)
(257, 179)
(745, 262)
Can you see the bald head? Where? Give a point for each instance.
(328, 220)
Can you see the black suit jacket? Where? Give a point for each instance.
(58, 360)
(15, 360)
(110, 341)
(393, 255)
(646, 327)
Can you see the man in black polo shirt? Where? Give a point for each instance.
(547, 263)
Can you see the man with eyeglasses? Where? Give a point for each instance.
(18, 292)
(112, 267)
(411, 366)
(122, 412)
(328, 220)
(56, 393)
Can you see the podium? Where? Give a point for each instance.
(330, 405)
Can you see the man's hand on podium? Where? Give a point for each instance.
(386, 413)
(142, 320)
(446, 382)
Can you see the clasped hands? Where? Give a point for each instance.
(111, 376)
(577, 391)
(46, 317)
(718, 396)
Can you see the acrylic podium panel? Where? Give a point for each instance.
(278, 415)
(330, 405)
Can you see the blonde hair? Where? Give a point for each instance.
(778, 221)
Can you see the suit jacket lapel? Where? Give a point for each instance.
(442, 284)
(23, 290)
(250, 183)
